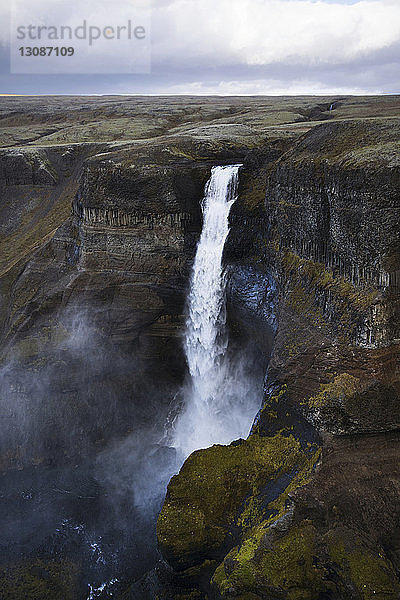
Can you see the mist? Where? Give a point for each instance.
(86, 474)
(91, 433)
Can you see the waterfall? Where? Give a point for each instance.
(205, 340)
(212, 411)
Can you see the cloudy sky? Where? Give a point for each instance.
(236, 47)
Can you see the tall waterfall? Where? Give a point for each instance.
(212, 412)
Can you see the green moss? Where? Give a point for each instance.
(39, 580)
(319, 276)
(372, 575)
(253, 514)
(308, 286)
(301, 302)
(247, 565)
(192, 595)
(383, 154)
(286, 566)
(279, 394)
(241, 578)
(268, 414)
(182, 153)
(343, 386)
(290, 563)
(203, 502)
(253, 190)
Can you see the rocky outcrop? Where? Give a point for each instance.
(216, 481)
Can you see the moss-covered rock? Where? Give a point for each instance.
(215, 493)
(241, 571)
(302, 564)
(39, 580)
(366, 570)
(283, 568)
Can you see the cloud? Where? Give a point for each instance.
(261, 32)
(251, 47)
(267, 87)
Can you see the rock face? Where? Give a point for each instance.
(114, 276)
(324, 245)
(339, 301)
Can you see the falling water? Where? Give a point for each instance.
(212, 413)
(205, 342)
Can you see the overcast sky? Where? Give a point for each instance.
(241, 47)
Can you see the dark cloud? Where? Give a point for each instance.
(298, 47)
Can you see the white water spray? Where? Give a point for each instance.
(214, 409)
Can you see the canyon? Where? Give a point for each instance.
(101, 217)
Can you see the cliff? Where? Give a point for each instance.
(101, 215)
(98, 237)
(321, 242)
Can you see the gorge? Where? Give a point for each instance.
(104, 272)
